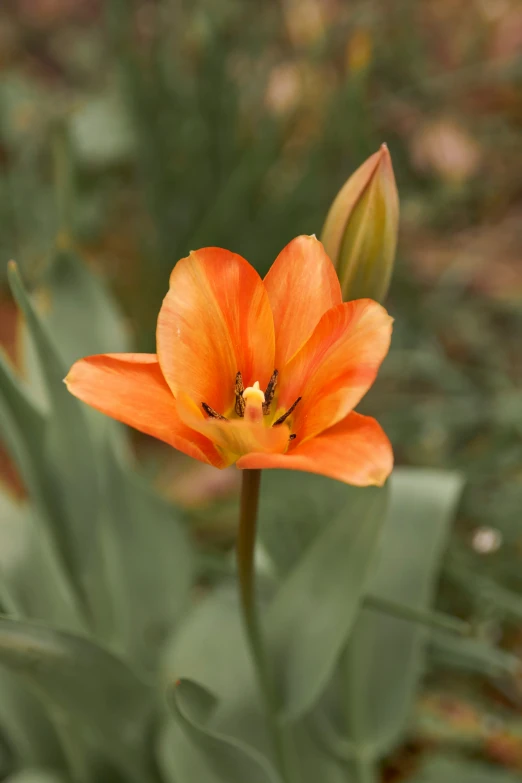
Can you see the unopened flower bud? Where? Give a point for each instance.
(360, 231)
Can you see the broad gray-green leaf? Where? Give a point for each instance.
(93, 689)
(26, 724)
(311, 615)
(82, 318)
(225, 759)
(448, 769)
(23, 429)
(385, 655)
(64, 467)
(35, 775)
(32, 586)
(209, 646)
(294, 508)
(151, 562)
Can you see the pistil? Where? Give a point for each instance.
(254, 400)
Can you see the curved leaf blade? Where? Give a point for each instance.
(229, 760)
(32, 586)
(385, 655)
(149, 598)
(64, 461)
(79, 679)
(35, 776)
(311, 615)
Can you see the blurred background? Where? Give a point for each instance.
(141, 130)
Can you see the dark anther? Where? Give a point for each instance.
(212, 413)
(270, 391)
(293, 436)
(239, 389)
(285, 416)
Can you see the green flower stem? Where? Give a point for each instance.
(246, 541)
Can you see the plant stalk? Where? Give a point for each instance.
(246, 540)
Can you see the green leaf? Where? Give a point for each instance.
(151, 562)
(58, 457)
(385, 655)
(311, 615)
(209, 646)
(36, 776)
(32, 585)
(82, 318)
(26, 724)
(456, 770)
(24, 432)
(93, 689)
(226, 759)
(79, 310)
(469, 655)
(294, 508)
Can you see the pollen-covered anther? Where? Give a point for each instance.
(285, 416)
(238, 390)
(254, 399)
(211, 413)
(269, 392)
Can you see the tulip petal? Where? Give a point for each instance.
(215, 321)
(235, 437)
(130, 387)
(336, 367)
(302, 285)
(356, 451)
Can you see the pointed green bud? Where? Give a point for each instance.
(360, 231)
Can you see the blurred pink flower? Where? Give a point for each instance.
(284, 89)
(446, 149)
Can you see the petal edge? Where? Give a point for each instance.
(131, 388)
(302, 285)
(356, 451)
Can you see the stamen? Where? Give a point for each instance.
(270, 391)
(239, 389)
(293, 436)
(290, 410)
(212, 413)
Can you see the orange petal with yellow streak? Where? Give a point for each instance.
(234, 437)
(130, 387)
(336, 367)
(215, 321)
(356, 451)
(302, 285)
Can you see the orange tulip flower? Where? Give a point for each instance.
(261, 373)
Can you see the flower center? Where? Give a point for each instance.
(252, 403)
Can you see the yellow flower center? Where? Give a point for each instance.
(252, 403)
